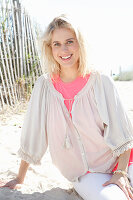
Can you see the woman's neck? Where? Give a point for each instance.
(69, 75)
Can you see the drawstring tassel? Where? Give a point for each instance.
(67, 142)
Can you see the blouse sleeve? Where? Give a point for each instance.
(33, 143)
(119, 131)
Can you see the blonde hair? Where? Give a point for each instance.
(49, 64)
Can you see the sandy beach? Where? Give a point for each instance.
(42, 182)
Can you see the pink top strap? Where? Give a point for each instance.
(70, 89)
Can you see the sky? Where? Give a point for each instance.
(107, 25)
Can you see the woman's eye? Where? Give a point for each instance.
(69, 42)
(56, 44)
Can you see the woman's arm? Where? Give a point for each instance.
(124, 160)
(120, 179)
(15, 183)
(22, 171)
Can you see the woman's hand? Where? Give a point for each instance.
(13, 184)
(18, 181)
(123, 183)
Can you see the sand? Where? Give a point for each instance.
(42, 182)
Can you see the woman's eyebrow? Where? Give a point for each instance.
(55, 41)
(70, 39)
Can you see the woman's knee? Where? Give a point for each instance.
(90, 187)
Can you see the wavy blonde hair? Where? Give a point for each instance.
(49, 65)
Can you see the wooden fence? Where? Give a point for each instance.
(19, 60)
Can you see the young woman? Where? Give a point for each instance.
(78, 113)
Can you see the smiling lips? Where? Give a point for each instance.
(65, 58)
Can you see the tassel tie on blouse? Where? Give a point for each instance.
(67, 142)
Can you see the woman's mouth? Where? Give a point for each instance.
(66, 58)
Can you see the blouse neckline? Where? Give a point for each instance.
(80, 93)
(67, 84)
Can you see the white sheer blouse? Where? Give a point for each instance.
(98, 132)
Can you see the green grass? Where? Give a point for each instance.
(124, 76)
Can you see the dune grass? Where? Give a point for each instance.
(124, 76)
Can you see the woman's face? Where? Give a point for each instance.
(65, 48)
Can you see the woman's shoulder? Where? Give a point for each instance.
(42, 79)
(41, 83)
(104, 78)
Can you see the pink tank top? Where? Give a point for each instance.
(69, 90)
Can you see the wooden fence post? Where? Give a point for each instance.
(18, 53)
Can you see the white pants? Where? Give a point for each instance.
(89, 187)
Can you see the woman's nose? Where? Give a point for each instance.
(64, 47)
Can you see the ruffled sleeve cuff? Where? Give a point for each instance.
(24, 156)
(121, 149)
